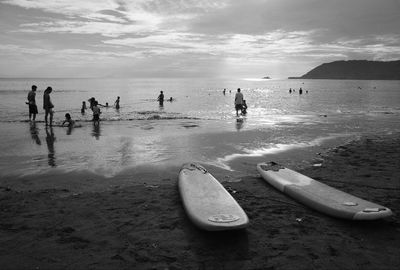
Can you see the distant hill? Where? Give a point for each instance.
(355, 70)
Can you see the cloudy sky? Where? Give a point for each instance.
(192, 38)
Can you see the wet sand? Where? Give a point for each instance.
(144, 226)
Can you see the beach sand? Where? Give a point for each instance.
(144, 226)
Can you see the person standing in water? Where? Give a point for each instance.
(83, 107)
(116, 103)
(32, 103)
(91, 102)
(48, 105)
(238, 101)
(96, 113)
(160, 98)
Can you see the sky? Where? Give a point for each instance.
(192, 38)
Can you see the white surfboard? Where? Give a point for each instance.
(319, 196)
(207, 203)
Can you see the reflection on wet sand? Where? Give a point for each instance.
(239, 123)
(50, 138)
(125, 150)
(69, 129)
(34, 133)
(96, 132)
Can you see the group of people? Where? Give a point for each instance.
(47, 104)
(48, 108)
(300, 91)
(224, 91)
(94, 105)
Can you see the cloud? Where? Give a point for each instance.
(250, 35)
(277, 44)
(69, 8)
(145, 14)
(105, 29)
(108, 18)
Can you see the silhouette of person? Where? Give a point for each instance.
(91, 102)
(238, 101)
(96, 113)
(116, 103)
(83, 109)
(48, 105)
(160, 98)
(32, 103)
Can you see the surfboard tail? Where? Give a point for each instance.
(373, 213)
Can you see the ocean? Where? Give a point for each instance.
(200, 124)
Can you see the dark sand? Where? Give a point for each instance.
(145, 226)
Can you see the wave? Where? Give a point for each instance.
(272, 149)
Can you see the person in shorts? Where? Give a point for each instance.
(96, 113)
(238, 101)
(32, 103)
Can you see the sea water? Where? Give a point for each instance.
(200, 124)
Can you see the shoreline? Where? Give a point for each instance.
(144, 226)
(82, 162)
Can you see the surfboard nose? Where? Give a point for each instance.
(193, 166)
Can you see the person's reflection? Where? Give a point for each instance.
(96, 130)
(35, 133)
(69, 130)
(50, 138)
(239, 123)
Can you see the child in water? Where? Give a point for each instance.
(68, 120)
(244, 107)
